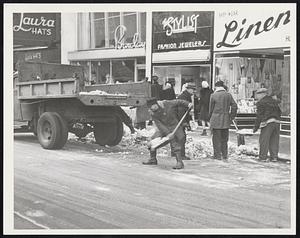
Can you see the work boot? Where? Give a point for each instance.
(204, 133)
(179, 164)
(152, 160)
(183, 156)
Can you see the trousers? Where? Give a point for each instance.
(220, 142)
(269, 140)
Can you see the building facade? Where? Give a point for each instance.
(36, 37)
(111, 44)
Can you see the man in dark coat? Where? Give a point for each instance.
(156, 88)
(222, 110)
(186, 95)
(268, 119)
(164, 115)
(156, 91)
(168, 93)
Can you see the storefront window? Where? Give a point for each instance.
(123, 70)
(244, 76)
(143, 26)
(103, 27)
(99, 29)
(182, 74)
(129, 19)
(113, 22)
(100, 70)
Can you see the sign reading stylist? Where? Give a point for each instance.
(173, 31)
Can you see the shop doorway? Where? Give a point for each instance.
(182, 74)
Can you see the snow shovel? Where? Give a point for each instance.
(241, 134)
(162, 141)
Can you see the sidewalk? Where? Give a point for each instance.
(284, 143)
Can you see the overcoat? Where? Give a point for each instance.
(222, 109)
(204, 103)
(166, 118)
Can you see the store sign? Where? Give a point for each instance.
(180, 25)
(120, 36)
(35, 25)
(35, 29)
(33, 56)
(244, 29)
(174, 31)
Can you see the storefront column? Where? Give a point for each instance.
(149, 45)
(286, 77)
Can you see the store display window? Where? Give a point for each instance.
(98, 29)
(181, 74)
(244, 76)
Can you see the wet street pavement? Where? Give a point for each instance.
(85, 186)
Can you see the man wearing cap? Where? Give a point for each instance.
(222, 110)
(164, 115)
(268, 120)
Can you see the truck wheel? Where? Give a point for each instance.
(63, 132)
(119, 135)
(48, 130)
(104, 133)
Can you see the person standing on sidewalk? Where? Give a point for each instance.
(164, 115)
(156, 91)
(222, 110)
(205, 93)
(268, 119)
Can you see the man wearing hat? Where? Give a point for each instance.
(222, 110)
(268, 120)
(164, 115)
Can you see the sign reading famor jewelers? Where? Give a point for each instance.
(35, 29)
(259, 26)
(122, 41)
(173, 31)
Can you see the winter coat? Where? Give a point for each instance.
(166, 118)
(204, 103)
(185, 95)
(222, 109)
(168, 94)
(156, 91)
(267, 108)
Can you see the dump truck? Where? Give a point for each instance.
(51, 100)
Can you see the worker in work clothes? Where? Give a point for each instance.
(222, 110)
(268, 119)
(164, 115)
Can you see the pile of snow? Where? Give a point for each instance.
(99, 92)
(195, 149)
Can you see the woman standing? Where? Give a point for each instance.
(205, 93)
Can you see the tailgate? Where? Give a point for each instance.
(123, 94)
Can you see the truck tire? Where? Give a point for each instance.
(48, 130)
(64, 132)
(119, 134)
(104, 132)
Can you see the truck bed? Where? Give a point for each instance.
(73, 86)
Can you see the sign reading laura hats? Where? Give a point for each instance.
(253, 28)
(120, 39)
(173, 31)
(34, 29)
